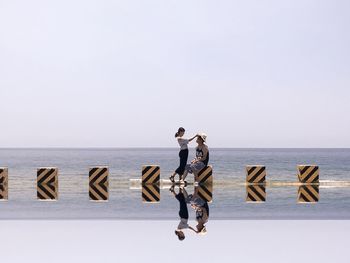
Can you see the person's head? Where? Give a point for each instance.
(180, 235)
(201, 138)
(180, 132)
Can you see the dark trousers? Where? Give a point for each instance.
(183, 154)
(183, 213)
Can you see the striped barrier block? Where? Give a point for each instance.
(47, 183)
(256, 174)
(150, 174)
(205, 192)
(3, 183)
(150, 193)
(256, 193)
(308, 173)
(308, 194)
(98, 183)
(205, 176)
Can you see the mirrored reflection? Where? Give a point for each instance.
(150, 193)
(199, 207)
(308, 194)
(256, 193)
(205, 192)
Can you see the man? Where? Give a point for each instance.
(201, 160)
(201, 208)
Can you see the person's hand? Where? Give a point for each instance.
(194, 230)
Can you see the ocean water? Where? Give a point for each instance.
(229, 191)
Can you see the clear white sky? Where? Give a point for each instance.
(128, 73)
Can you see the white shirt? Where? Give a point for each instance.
(183, 143)
(183, 224)
(197, 201)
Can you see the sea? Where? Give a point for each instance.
(229, 192)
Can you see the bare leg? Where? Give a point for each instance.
(184, 175)
(184, 193)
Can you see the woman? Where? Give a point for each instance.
(182, 196)
(183, 154)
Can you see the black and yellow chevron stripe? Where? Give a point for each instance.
(150, 174)
(205, 176)
(205, 192)
(3, 183)
(256, 193)
(47, 184)
(308, 194)
(256, 173)
(308, 173)
(98, 183)
(150, 193)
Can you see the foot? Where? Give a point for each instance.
(171, 178)
(183, 183)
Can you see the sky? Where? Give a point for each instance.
(83, 73)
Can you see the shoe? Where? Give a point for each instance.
(183, 183)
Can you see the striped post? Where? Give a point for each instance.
(150, 174)
(150, 184)
(47, 183)
(205, 192)
(205, 176)
(256, 174)
(256, 193)
(98, 183)
(3, 183)
(150, 193)
(308, 174)
(308, 194)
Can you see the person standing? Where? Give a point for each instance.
(183, 154)
(183, 212)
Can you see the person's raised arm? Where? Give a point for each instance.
(191, 139)
(194, 230)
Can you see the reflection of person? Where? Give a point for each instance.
(183, 154)
(183, 213)
(202, 157)
(202, 216)
(202, 211)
